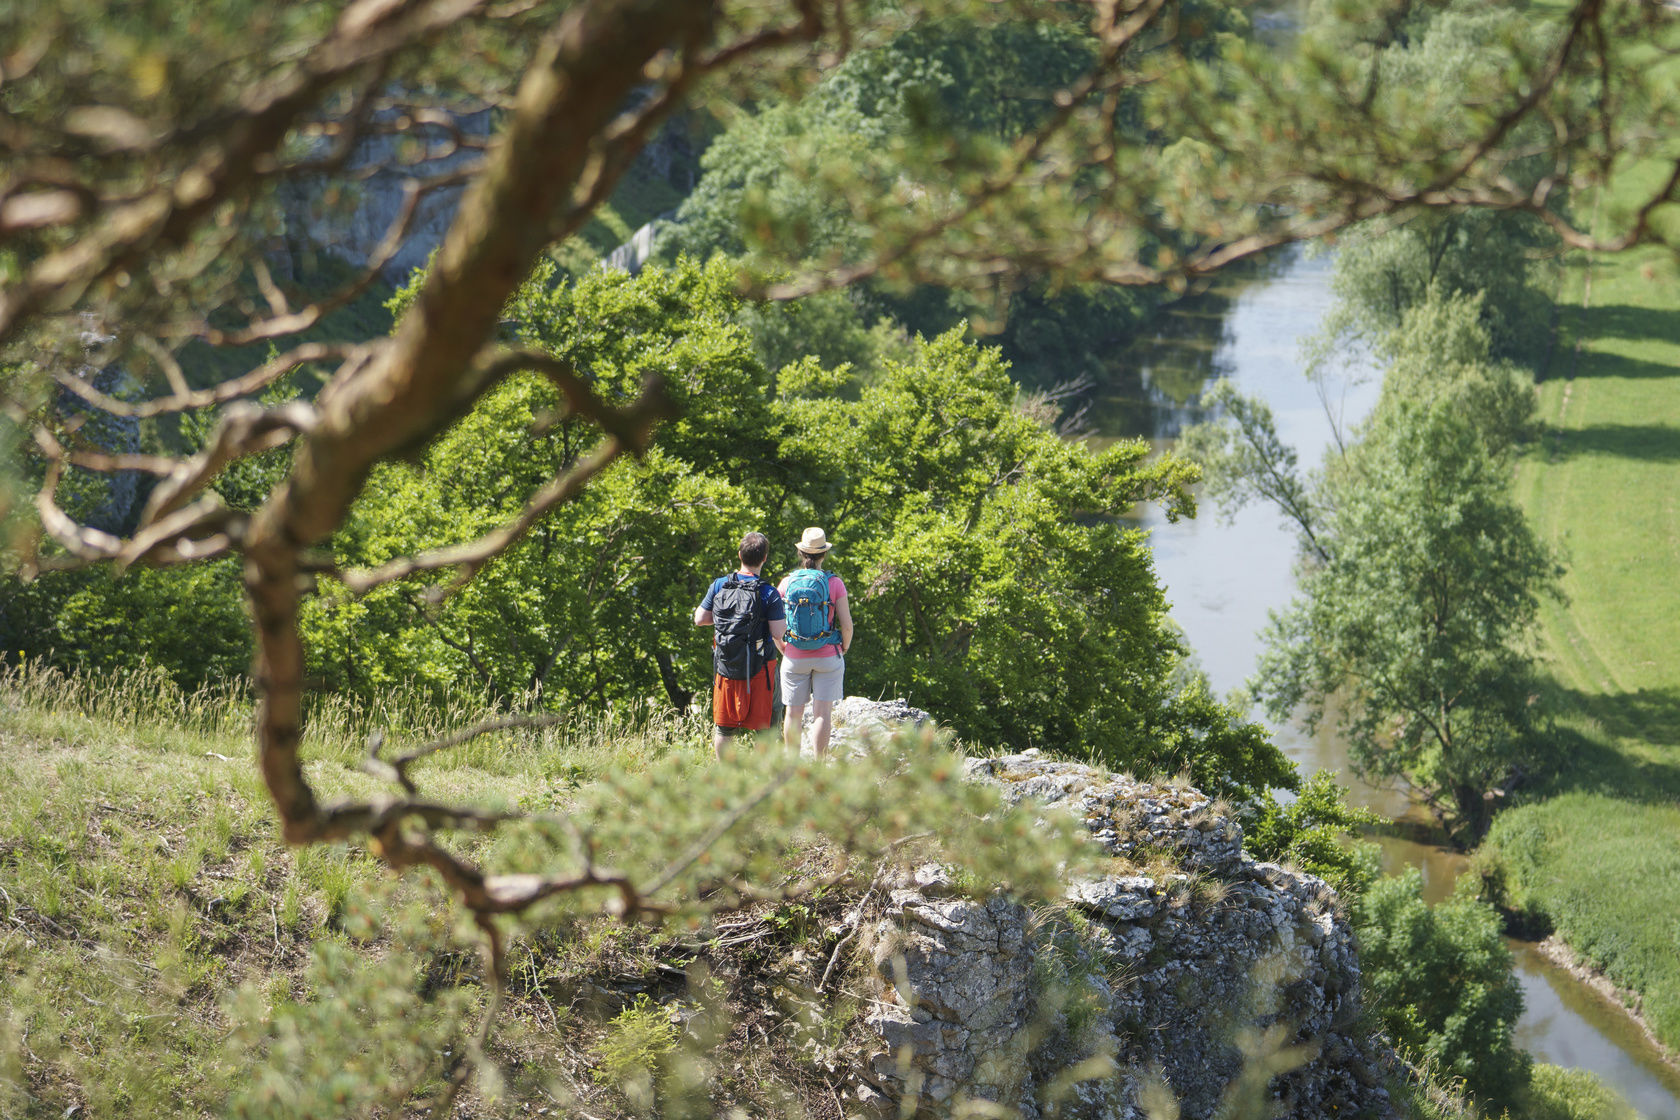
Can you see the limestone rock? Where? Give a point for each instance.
(859, 722)
(1155, 981)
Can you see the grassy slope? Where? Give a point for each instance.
(162, 954)
(1600, 854)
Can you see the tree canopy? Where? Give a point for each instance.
(1441, 978)
(986, 554)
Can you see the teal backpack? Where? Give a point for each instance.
(810, 623)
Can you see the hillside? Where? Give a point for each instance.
(163, 961)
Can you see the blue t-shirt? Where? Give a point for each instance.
(774, 610)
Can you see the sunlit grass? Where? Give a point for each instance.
(1604, 484)
(162, 953)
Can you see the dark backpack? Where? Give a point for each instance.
(809, 612)
(738, 619)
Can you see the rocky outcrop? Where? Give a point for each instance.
(108, 501)
(1190, 972)
(634, 253)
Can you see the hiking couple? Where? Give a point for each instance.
(806, 619)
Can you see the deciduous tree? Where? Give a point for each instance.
(1412, 623)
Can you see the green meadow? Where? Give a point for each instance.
(1596, 850)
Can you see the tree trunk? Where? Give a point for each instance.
(680, 696)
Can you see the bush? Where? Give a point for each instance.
(189, 621)
(1441, 981)
(1310, 832)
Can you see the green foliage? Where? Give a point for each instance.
(1244, 460)
(1555, 1093)
(775, 180)
(246, 483)
(837, 329)
(944, 90)
(154, 967)
(985, 554)
(182, 74)
(994, 557)
(658, 824)
(637, 1042)
(1311, 830)
(1498, 255)
(190, 621)
(167, 959)
(1597, 858)
(1441, 981)
(595, 600)
(1442, 351)
(1505, 257)
(390, 1036)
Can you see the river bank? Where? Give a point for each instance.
(1596, 850)
(1556, 950)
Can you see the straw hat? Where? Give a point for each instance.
(814, 542)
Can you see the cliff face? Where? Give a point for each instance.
(1191, 972)
(353, 226)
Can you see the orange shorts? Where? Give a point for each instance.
(744, 705)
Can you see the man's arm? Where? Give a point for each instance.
(702, 616)
(777, 607)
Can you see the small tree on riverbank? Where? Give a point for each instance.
(1441, 981)
(1420, 578)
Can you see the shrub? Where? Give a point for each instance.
(1441, 981)
(1310, 832)
(637, 1043)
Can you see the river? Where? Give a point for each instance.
(1223, 577)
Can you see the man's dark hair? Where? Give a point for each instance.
(754, 548)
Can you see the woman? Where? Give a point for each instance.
(819, 632)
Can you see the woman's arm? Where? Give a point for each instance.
(843, 615)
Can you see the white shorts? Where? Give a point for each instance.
(805, 678)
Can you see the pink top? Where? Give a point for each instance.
(836, 592)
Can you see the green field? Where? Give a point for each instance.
(1598, 850)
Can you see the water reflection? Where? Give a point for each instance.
(1617, 1051)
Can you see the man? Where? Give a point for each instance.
(818, 633)
(747, 614)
